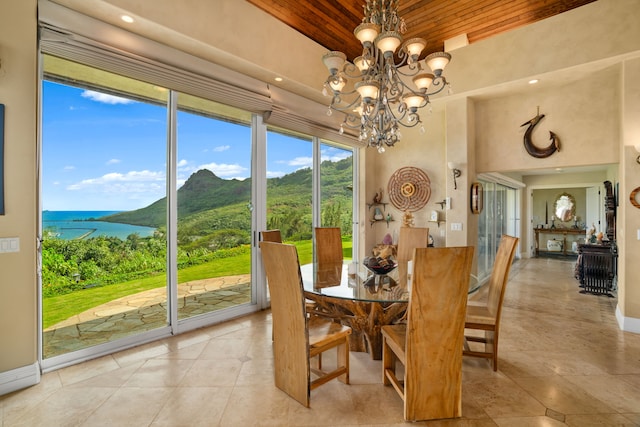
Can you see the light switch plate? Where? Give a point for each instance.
(456, 226)
(9, 244)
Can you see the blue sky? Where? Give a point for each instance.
(101, 152)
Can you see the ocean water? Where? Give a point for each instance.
(80, 225)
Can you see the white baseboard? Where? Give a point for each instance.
(19, 378)
(628, 324)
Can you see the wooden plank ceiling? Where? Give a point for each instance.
(331, 22)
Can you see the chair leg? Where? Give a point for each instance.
(343, 355)
(388, 361)
(495, 350)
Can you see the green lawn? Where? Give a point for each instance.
(58, 308)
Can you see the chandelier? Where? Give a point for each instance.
(377, 100)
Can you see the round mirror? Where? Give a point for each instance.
(565, 207)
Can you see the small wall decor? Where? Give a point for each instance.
(632, 197)
(476, 198)
(529, 145)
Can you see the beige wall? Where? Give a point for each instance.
(628, 215)
(427, 154)
(18, 289)
(588, 130)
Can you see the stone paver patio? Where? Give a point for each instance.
(143, 311)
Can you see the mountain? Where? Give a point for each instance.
(228, 199)
(202, 191)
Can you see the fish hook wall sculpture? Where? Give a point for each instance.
(540, 153)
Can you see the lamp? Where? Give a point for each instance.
(456, 174)
(381, 101)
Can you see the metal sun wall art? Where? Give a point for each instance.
(531, 148)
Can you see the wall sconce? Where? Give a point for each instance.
(456, 174)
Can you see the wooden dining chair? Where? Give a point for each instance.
(298, 338)
(271, 236)
(328, 256)
(485, 316)
(428, 345)
(409, 239)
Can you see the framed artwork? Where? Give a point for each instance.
(1, 159)
(476, 198)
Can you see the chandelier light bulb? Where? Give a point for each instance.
(367, 32)
(423, 81)
(413, 101)
(414, 47)
(337, 84)
(388, 42)
(367, 90)
(361, 63)
(437, 61)
(334, 61)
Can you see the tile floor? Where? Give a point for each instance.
(563, 361)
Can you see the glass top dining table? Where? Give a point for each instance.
(354, 281)
(352, 295)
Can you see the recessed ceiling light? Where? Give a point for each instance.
(127, 19)
(278, 79)
(533, 81)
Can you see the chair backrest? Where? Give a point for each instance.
(328, 256)
(409, 239)
(500, 274)
(271, 236)
(290, 333)
(435, 331)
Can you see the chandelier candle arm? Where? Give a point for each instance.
(382, 100)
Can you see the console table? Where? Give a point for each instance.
(557, 231)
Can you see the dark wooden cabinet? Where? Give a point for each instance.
(597, 268)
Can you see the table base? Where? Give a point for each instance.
(364, 317)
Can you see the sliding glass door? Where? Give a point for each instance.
(336, 192)
(103, 230)
(290, 189)
(500, 216)
(213, 181)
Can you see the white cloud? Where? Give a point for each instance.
(301, 162)
(69, 168)
(221, 148)
(105, 98)
(276, 174)
(182, 163)
(224, 170)
(335, 156)
(130, 182)
(113, 161)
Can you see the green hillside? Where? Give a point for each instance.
(208, 204)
